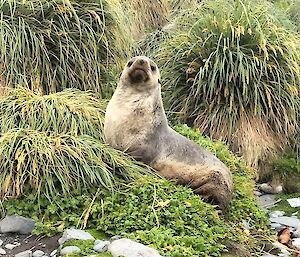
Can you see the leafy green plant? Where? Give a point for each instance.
(154, 211)
(287, 165)
(234, 73)
(57, 44)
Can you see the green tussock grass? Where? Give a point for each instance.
(70, 111)
(234, 73)
(57, 44)
(53, 144)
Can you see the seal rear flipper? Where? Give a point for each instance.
(216, 190)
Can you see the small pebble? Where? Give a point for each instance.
(10, 246)
(2, 251)
(101, 246)
(53, 253)
(276, 214)
(27, 253)
(69, 249)
(257, 193)
(1, 242)
(38, 253)
(296, 243)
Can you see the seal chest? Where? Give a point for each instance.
(135, 122)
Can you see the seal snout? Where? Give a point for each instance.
(138, 70)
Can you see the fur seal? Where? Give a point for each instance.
(135, 122)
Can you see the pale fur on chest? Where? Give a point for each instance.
(131, 117)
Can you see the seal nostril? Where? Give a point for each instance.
(142, 62)
(129, 63)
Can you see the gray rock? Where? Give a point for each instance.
(10, 246)
(296, 243)
(276, 214)
(27, 253)
(38, 253)
(275, 225)
(101, 246)
(267, 188)
(287, 221)
(267, 200)
(258, 193)
(69, 249)
(17, 224)
(296, 233)
(72, 233)
(2, 251)
(128, 248)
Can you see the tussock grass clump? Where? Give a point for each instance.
(53, 144)
(152, 16)
(59, 164)
(234, 73)
(57, 44)
(70, 111)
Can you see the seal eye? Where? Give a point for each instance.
(153, 68)
(129, 63)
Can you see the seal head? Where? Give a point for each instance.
(140, 72)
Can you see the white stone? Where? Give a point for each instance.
(10, 246)
(287, 221)
(278, 189)
(296, 243)
(38, 253)
(27, 253)
(101, 246)
(72, 233)
(69, 249)
(276, 214)
(265, 187)
(257, 193)
(53, 253)
(294, 202)
(2, 251)
(128, 248)
(17, 224)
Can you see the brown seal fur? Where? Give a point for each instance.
(135, 122)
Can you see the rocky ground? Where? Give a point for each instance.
(280, 222)
(23, 244)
